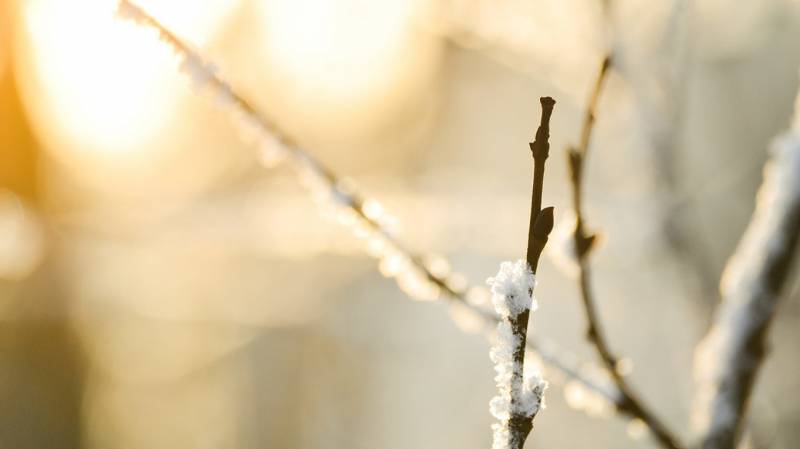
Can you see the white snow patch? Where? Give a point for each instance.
(512, 289)
(520, 393)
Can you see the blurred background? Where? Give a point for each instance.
(160, 288)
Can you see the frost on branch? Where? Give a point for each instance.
(511, 289)
(728, 358)
(521, 392)
(129, 11)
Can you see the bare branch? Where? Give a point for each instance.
(324, 183)
(541, 221)
(630, 404)
(728, 359)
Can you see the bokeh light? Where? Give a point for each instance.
(212, 303)
(344, 69)
(96, 89)
(22, 239)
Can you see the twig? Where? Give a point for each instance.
(540, 150)
(583, 242)
(520, 387)
(729, 357)
(541, 223)
(415, 274)
(521, 391)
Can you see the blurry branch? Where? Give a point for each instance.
(520, 422)
(364, 217)
(662, 95)
(630, 404)
(729, 357)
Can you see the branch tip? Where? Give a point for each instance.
(606, 63)
(540, 147)
(584, 244)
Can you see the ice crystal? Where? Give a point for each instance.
(520, 393)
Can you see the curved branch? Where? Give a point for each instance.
(630, 403)
(541, 223)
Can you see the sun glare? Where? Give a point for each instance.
(350, 62)
(98, 85)
(343, 45)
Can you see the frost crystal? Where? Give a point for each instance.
(532, 399)
(199, 71)
(511, 289)
(129, 11)
(519, 393)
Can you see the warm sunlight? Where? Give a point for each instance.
(338, 48)
(95, 82)
(329, 224)
(342, 67)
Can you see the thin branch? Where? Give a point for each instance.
(520, 388)
(541, 223)
(728, 359)
(416, 276)
(631, 404)
(540, 150)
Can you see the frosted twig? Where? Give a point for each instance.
(521, 389)
(521, 392)
(729, 357)
(364, 217)
(583, 241)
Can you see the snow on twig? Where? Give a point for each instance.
(521, 390)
